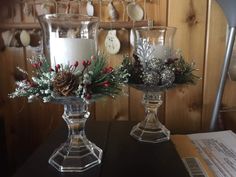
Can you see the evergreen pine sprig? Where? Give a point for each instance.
(94, 78)
(107, 80)
(183, 71)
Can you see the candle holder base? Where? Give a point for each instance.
(77, 153)
(79, 158)
(156, 135)
(151, 130)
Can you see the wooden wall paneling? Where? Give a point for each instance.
(15, 112)
(5, 11)
(161, 12)
(184, 103)
(136, 107)
(229, 98)
(97, 8)
(229, 101)
(157, 11)
(113, 109)
(214, 59)
(44, 117)
(104, 14)
(109, 109)
(102, 10)
(17, 13)
(150, 9)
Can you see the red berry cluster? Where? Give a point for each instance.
(76, 64)
(57, 67)
(88, 96)
(107, 70)
(86, 63)
(104, 84)
(37, 65)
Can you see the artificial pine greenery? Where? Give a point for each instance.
(95, 77)
(106, 80)
(183, 71)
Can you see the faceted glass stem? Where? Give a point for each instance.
(77, 154)
(151, 129)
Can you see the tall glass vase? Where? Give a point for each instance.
(152, 53)
(69, 39)
(77, 154)
(151, 129)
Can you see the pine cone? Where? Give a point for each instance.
(137, 71)
(65, 83)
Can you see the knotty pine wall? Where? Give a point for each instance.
(201, 34)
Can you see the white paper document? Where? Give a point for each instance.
(219, 151)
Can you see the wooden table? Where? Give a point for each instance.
(122, 155)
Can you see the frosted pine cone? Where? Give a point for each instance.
(65, 83)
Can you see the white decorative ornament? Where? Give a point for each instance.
(24, 38)
(112, 42)
(7, 37)
(45, 8)
(90, 8)
(113, 13)
(27, 9)
(134, 11)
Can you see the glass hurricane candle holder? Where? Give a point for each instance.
(67, 39)
(151, 74)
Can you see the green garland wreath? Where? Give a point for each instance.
(94, 78)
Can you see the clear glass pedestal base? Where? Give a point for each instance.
(77, 158)
(151, 130)
(142, 133)
(77, 154)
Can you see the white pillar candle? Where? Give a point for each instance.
(67, 51)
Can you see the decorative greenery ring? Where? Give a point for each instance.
(166, 74)
(95, 78)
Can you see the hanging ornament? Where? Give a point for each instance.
(167, 77)
(134, 11)
(134, 36)
(7, 37)
(113, 13)
(46, 8)
(112, 43)
(24, 38)
(16, 42)
(35, 38)
(90, 8)
(27, 9)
